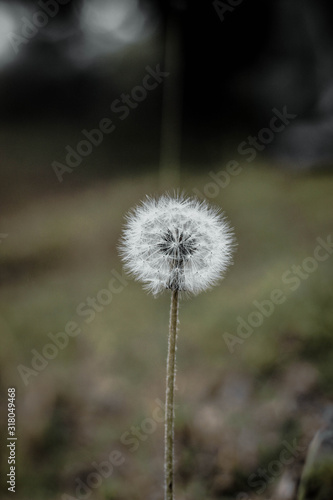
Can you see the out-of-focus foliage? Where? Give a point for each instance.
(236, 410)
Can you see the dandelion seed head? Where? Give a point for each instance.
(176, 243)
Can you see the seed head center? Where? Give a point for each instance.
(177, 245)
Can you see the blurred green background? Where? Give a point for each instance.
(235, 409)
(89, 412)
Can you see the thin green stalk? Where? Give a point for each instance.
(170, 397)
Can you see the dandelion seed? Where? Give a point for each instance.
(176, 243)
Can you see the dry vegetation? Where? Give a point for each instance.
(236, 410)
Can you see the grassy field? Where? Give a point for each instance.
(98, 398)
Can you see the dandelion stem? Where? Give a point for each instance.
(169, 397)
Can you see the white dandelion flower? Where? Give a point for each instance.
(183, 245)
(176, 243)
